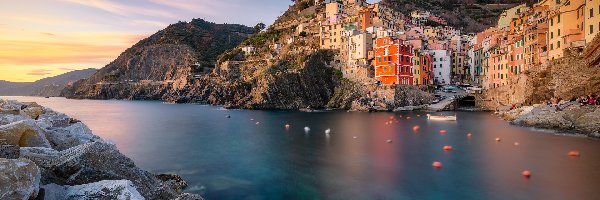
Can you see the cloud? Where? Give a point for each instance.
(39, 72)
(123, 9)
(48, 34)
(66, 69)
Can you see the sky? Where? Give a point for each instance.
(43, 38)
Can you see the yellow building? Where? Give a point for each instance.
(565, 28)
(331, 36)
(592, 19)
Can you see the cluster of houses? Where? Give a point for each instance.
(378, 42)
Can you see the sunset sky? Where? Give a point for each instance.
(42, 38)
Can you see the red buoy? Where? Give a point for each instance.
(437, 164)
(574, 153)
(526, 174)
(443, 132)
(469, 135)
(407, 117)
(416, 128)
(448, 148)
(287, 126)
(498, 140)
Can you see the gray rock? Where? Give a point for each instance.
(7, 119)
(24, 134)
(188, 196)
(93, 162)
(174, 181)
(9, 107)
(107, 189)
(19, 179)
(54, 119)
(33, 112)
(542, 118)
(62, 138)
(589, 122)
(9, 151)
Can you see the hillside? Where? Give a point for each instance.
(51, 86)
(161, 62)
(469, 15)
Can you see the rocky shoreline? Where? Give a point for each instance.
(571, 118)
(48, 155)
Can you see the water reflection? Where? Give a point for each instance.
(234, 158)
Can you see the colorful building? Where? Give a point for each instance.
(393, 61)
(592, 19)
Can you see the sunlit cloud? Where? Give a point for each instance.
(48, 34)
(123, 9)
(39, 72)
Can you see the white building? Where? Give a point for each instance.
(359, 46)
(442, 66)
(248, 50)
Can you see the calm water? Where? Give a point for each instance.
(234, 158)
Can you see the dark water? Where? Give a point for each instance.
(234, 158)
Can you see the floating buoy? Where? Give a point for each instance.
(574, 153)
(257, 123)
(498, 140)
(228, 116)
(392, 117)
(469, 135)
(448, 148)
(388, 141)
(287, 126)
(327, 131)
(306, 129)
(416, 128)
(517, 144)
(443, 132)
(418, 115)
(407, 117)
(354, 137)
(526, 174)
(437, 164)
(251, 119)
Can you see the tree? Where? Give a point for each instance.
(259, 27)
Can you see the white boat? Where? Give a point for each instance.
(441, 118)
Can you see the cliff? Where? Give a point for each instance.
(161, 62)
(51, 86)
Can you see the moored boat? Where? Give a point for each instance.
(441, 118)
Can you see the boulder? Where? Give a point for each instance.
(32, 112)
(175, 181)
(107, 189)
(9, 151)
(19, 179)
(9, 107)
(54, 119)
(589, 122)
(188, 196)
(62, 138)
(93, 162)
(543, 118)
(24, 134)
(7, 119)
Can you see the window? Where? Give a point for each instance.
(558, 32)
(551, 46)
(591, 29)
(591, 12)
(551, 35)
(558, 44)
(558, 21)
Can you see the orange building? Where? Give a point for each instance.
(365, 18)
(426, 68)
(393, 61)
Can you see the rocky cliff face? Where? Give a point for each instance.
(162, 62)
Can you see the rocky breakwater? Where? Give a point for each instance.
(48, 155)
(571, 118)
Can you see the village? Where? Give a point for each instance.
(378, 45)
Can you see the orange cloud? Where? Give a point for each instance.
(39, 72)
